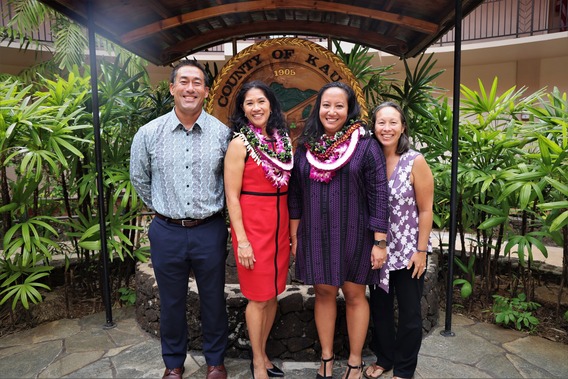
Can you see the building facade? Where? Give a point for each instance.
(524, 43)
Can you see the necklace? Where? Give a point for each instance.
(277, 161)
(325, 145)
(283, 146)
(328, 154)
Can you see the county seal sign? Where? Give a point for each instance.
(294, 68)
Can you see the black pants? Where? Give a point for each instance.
(397, 346)
(176, 251)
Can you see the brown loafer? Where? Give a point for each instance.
(216, 372)
(173, 373)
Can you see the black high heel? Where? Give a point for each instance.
(349, 368)
(318, 376)
(274, 372)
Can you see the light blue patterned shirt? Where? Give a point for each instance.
(176, 173)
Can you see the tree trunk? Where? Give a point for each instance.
(4, 197)
(564, 279)
(67, 205)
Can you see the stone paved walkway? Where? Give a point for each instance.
(83, 348)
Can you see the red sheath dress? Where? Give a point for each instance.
(266, 222)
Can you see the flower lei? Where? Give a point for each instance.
(327, 154)
(276, 163)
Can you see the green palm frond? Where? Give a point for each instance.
(374, 80)
(133, 64)
(28, 15)
(32, 74)
(70, 42)
(26, 18)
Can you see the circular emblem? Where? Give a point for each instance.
(294, 68)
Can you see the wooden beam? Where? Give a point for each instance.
(345, 33)
(158, 8)
(272, 5)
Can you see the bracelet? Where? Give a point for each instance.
(244, 246)
(421, 251)
(293, 236)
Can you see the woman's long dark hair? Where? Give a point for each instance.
(404, 141)
(313, 127)
(276, 120)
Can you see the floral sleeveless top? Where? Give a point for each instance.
(402, 236)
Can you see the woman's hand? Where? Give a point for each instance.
(246, 255)
(294, 223)
(418, 260)
(378, 257)
(293, 247)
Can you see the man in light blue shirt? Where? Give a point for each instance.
(176, 167)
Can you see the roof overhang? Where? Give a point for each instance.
(164, 31)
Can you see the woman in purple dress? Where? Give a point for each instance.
(338, 218)
(411, 197)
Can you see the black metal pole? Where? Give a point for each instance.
(454, 175)
(99, 165)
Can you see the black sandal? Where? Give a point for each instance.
(349, 368)
(318, 376)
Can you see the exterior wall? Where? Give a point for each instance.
(526, 63)
(532, 62)
(528, 72)
(553, 72)
(470, 74)
(158, 73)
(14, 61)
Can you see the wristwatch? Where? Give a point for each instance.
(381, 243)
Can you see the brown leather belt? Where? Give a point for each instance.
(187, 222)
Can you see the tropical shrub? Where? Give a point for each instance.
(467, 285)
(49, 202)
(516, 312)
(511, 183)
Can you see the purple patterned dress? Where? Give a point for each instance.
(338, 219)
(402, 237)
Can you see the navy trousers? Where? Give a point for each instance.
(397, 345)
(175, 252)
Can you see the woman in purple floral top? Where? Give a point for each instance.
(411, 197)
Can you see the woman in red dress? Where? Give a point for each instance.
(257, 169)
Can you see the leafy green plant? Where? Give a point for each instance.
(127, 295)
(551, 132)
(25, 291)
(46, 142)
(69, 39)
(374, 80)
(416, 94)
(495, 185)
(525, 243)
(469, 271)
(516, 312)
